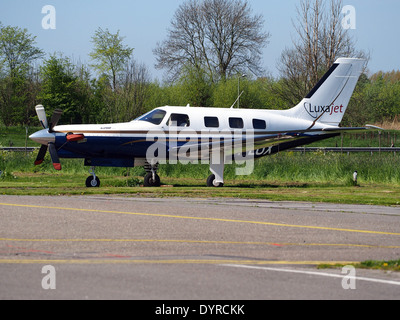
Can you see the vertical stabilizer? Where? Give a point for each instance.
(328, 100)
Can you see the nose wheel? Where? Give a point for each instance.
(92, 181)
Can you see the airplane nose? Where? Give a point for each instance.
(43, 137)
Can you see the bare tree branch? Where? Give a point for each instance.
(321, 40)
(222, 37)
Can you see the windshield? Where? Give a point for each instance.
(155, 117)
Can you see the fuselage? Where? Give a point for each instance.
(174, 127)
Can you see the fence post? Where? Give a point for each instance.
(341, 143)
(26, 141)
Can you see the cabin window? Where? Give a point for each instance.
(259, 124)
(179, 120)
(236, 123)
(211, 122)
(155, 117)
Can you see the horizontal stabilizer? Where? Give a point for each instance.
(353, 129)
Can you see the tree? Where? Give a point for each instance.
(17, 49)
(17, 96)
(130, 100)
(110, 54)
(383, 97)
(196, 88)
(63, 88)
(135, 91)
(18, 83)
(222, 37)
(360, 111)
(321, 40)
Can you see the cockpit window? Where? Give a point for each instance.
(155, 117)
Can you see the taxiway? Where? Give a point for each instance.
(116, 247)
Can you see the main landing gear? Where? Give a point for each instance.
(217, 169)
(92, 181)
(151, 179)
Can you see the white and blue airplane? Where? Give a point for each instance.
(210, 135)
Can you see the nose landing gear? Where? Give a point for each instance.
(92, 181)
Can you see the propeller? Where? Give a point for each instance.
(50, 144)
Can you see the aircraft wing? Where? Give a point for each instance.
(267, 139)
(242, 144)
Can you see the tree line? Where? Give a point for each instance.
(211, 54)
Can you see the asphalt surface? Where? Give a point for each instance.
(116, 247)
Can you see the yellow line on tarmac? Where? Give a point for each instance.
(172, 261)
(283, 244)
(204, 218)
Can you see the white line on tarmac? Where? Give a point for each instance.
(322, 274)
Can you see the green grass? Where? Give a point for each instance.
(386, 265)
(392, 265)
(73, 184)
(292, 167)
(16, 136)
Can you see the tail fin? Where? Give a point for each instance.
(328, 100)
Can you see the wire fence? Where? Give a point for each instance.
(371, 150)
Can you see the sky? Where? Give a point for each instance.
(144, 23)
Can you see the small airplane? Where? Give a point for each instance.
(215, 136)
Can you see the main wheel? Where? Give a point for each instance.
(92, 183)
(150, 182)
(210, 182)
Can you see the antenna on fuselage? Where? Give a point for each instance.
(237, 99)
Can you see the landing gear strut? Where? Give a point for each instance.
(151, 179)
(92, 181)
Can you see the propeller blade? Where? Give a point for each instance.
(41, 155)
(55, 118)
(41, 113)
(54, 156)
